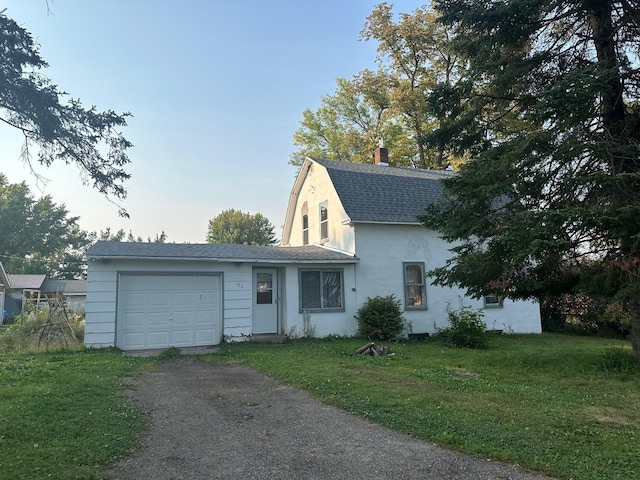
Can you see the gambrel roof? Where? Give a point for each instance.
(217, 252)
(381, 194)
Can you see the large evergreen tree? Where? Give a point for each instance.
(60, 131)
(552, 109)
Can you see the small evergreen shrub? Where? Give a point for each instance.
(466, 328)
(380, 318)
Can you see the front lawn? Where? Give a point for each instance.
(567, 406)
(64, 415)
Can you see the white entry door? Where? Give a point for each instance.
(265, 300)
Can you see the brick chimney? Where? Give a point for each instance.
(381, 156)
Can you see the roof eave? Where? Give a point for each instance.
(384, 222)
(107, 258)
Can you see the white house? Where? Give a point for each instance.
(350, 233)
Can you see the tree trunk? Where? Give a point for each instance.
(634, 309)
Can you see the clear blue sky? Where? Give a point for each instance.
(216, 90)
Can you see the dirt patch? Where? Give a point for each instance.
(230, 422)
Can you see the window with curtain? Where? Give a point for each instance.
(321, 290)
(414, 288)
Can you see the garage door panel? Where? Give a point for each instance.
(202, 318)
(183, 338)
(205, 299)
(133, 300)
(160, 300)
(159, 311)
(180, 319)
(158, 319)
(186, 298)
(136, 320)
(158, 339)
(186, 282)
(135, 340)
(205, 337)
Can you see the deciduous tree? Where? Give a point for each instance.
(234, 226)
(38, 236)
(392, 104)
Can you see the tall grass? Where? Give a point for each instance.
(38, 330)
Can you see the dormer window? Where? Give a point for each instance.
(324, 221)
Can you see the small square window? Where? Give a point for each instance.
(493, 301)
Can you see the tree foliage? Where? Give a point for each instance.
(123, 236)
(61, 132)
(391, 104)
(416, 55)
(349, 124)
(551, 115)
(234, 226)
(38, 236)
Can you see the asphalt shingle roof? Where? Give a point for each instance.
(375, 193)
(222, 252)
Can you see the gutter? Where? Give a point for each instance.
(353, 259)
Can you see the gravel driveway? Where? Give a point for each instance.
(229, 422)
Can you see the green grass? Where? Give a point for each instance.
(567, 406)
(64, 415)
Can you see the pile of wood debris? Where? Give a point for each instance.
(372, 349)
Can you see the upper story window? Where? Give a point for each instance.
(305, 224)
(305, 229)
(414, 291)
(324, 221)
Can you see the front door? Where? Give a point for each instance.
(265, 300)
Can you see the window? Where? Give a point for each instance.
(414, 293)
(324, 221)
(305, 229)
(493, 301)
(305, 224)
(264, 288)
(321, 290)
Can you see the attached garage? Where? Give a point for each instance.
(143, 296)
(162, 310)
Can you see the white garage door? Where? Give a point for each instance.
(160, 311)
